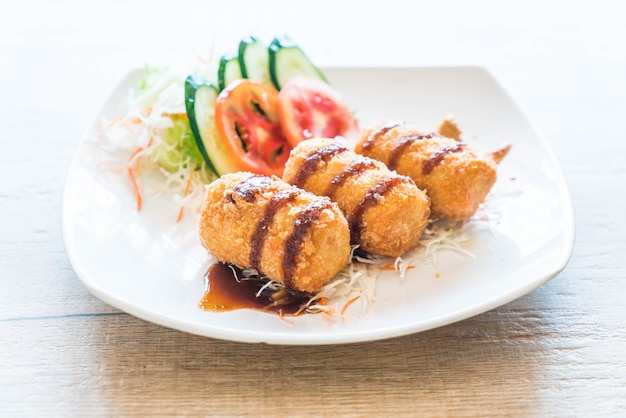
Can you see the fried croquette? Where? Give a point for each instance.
(448, 127)
(287, 234)
(456, 178)
(386, 212)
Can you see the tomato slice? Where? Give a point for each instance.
(310, 108)
(246, 118)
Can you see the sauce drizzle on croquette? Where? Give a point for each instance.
(309, 166)
(301, 225)
(277, 201)
(249, 188)
(437, 157)
(370, 199)
(401, 145)
(382, 130)
(354, 168)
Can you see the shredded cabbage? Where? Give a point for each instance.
(152, 137)
(360, 276)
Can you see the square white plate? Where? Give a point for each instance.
(145, 264)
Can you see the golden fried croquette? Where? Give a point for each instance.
(386, 211)
(448, 127)
(456, 178)
(289, 235)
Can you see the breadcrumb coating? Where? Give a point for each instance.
(289, 235)
(456, 178)
(387, 212)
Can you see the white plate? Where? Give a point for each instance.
(144, 265)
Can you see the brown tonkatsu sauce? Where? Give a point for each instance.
(380, 132)
(437, 157)
(309, 166)
(227, 290)
(370, 199)
(249, 188)
(301, 225)
(279, 200)
(402, 145)
(353, 169)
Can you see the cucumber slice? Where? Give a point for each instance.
(254, 60)
(228, 70)
(200, 97)
(286, 60)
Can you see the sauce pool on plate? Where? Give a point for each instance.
(226, 289)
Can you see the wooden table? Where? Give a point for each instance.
(558, 351)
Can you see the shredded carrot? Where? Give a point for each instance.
(180, 213)
(111, 167)
(113, 122)
(131, 121)
(323, 301)
(209, 58)
(173, 116)
(131, 174)
(389, 265)
(348, 303)
(284, 318)
(182, 206)
(132, 157)
(109, 125)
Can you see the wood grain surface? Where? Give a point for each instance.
(559, 351)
